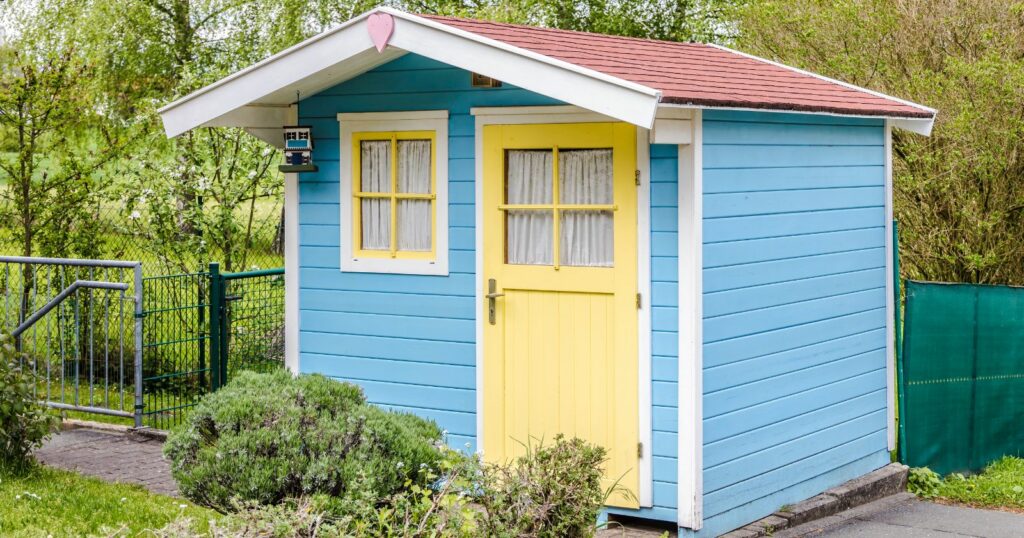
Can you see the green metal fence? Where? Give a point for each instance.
(961, 375)
(177, 369)
(249, 309)
(201, 329)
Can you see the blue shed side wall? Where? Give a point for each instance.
(409, 341)
(794, 309)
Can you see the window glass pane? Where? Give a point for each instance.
(528, 237)
(414, 225)
(585, 176)
(587, 238)
(375, 166)
(528, 178)
(376, 225)
(375, 176)
(414, 166)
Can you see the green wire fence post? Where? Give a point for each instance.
(215, 319)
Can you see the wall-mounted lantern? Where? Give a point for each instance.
(298, 149)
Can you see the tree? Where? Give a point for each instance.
(959, 195)
(54, 139)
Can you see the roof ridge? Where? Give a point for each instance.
(563, 30)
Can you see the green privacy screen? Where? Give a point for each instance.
(962, 397)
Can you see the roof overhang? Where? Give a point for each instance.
(347, 51)
(261, 98)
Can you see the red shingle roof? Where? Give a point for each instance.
(693, 73)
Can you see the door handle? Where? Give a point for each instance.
(492, 296)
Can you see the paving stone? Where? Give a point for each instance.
(111, 456)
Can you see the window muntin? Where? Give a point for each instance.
(395, 204)
(559, 207)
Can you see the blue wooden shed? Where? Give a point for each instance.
(677, 251)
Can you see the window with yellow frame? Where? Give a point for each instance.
(394, 195)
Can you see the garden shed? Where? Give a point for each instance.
(675, 250)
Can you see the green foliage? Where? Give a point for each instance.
(551, 491)
(24, 423)
(270, 437)
(43, 501)
(55, 138)
(924, 482)
(672, 20)
(958, 193)
(1000, 485)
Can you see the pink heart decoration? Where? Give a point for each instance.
(380, 26)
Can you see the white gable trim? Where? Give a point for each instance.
(347, 51)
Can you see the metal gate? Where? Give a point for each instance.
(103, 340)
(203, 328)
(78, 326)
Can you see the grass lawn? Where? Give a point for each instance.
(1000, 486)
(53, 502)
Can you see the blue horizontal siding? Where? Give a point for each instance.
(794, 309)
(664, 164)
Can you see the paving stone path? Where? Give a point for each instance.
(111, 456)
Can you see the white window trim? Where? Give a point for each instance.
(418, 120)
(573, 114)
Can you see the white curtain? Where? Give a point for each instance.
(414, 216)
(587, 236)
(375, 176)
(529, 181)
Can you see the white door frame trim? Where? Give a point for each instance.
(691, 341)
(572, 114)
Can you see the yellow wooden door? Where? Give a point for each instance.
(559, 235)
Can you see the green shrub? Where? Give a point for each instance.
(552, 491)
(24, 422)
(923, 482)
(266, 438)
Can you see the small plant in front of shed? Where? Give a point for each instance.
(24, 422)
(924, 482)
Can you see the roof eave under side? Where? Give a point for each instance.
(347, 51)
(920, 123)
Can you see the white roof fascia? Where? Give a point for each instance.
(329, 57)
(922, 126)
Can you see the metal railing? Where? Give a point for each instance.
(70, 321)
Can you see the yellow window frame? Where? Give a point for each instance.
(394, 196)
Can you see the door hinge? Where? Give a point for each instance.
(637, 177)
(639, 450)
(639, 302)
